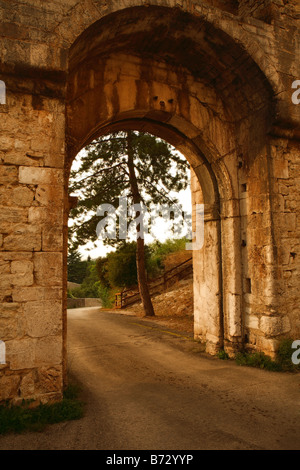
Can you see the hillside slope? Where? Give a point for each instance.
(173, 307)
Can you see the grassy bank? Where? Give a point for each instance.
(24, 417)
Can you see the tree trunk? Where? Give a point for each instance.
(140, 251)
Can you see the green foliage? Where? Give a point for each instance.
(257, 359)
(222, 355)
(21, 418)
(284, 355)
(102, 271)
(118, 269)
(168, 246)
(159, 250)
(76, 267)
(70, 294)
(121, 266)
(90, 285)
(106, 295)
(282, 362)
(154, 264)
(103, 177)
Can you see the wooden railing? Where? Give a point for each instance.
(156, 286)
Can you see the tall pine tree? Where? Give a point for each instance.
(127, 164)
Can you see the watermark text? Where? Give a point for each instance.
(119, 223)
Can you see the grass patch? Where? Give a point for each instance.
(21, 418)
(284, 355)
(281, 363)
(259, 360)
(222, 355)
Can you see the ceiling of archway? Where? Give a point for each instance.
(183, 42)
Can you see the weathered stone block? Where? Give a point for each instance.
(8, 386)
(52, 238)
(252, 322)
(6, 143)
(6, 295)
(233, 314)
(15, 256)
(18, 157)
(40, 146)
(287, 221)
(9, 309)
(48, 195)
(23, 238)
(8, 174)
(48, 269)
(4, 267)
(20, 353)
(19, 196)
(34, 293)
(27, 386)
(267, 345)
(38, 175)
(42, 318)
(9, 328)
(274, 326)
(10, 280)
(22, 272)
(50, 379)
(281, 168)
(22, 267)
(44, 215)
(39, 53)
(48, 351)
(10, 216)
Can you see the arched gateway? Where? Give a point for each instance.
(213, 78)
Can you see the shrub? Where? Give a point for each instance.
(106, 295)
(222, 355)
(20, 418)
(158, 251)
(257, 359)
(121, 266)
(284, 355)
(89, 287)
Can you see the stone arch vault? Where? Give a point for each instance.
(214, 78)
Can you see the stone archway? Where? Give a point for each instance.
(209, 328)
(213, 78)
(161, 69)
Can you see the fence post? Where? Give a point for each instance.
(118, 300)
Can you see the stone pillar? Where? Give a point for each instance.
(31, 207)
(283, 317)
(208, 313)
(269, 240)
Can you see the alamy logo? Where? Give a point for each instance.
(2, 92)
(173, 215)
(296, 94)
(296, 354)
(2, 353)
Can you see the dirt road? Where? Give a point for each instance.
(148, 388)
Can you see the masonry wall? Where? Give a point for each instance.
(31, 207)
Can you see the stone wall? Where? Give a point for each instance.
(82, 303)
(31, 206)
(214, 78)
